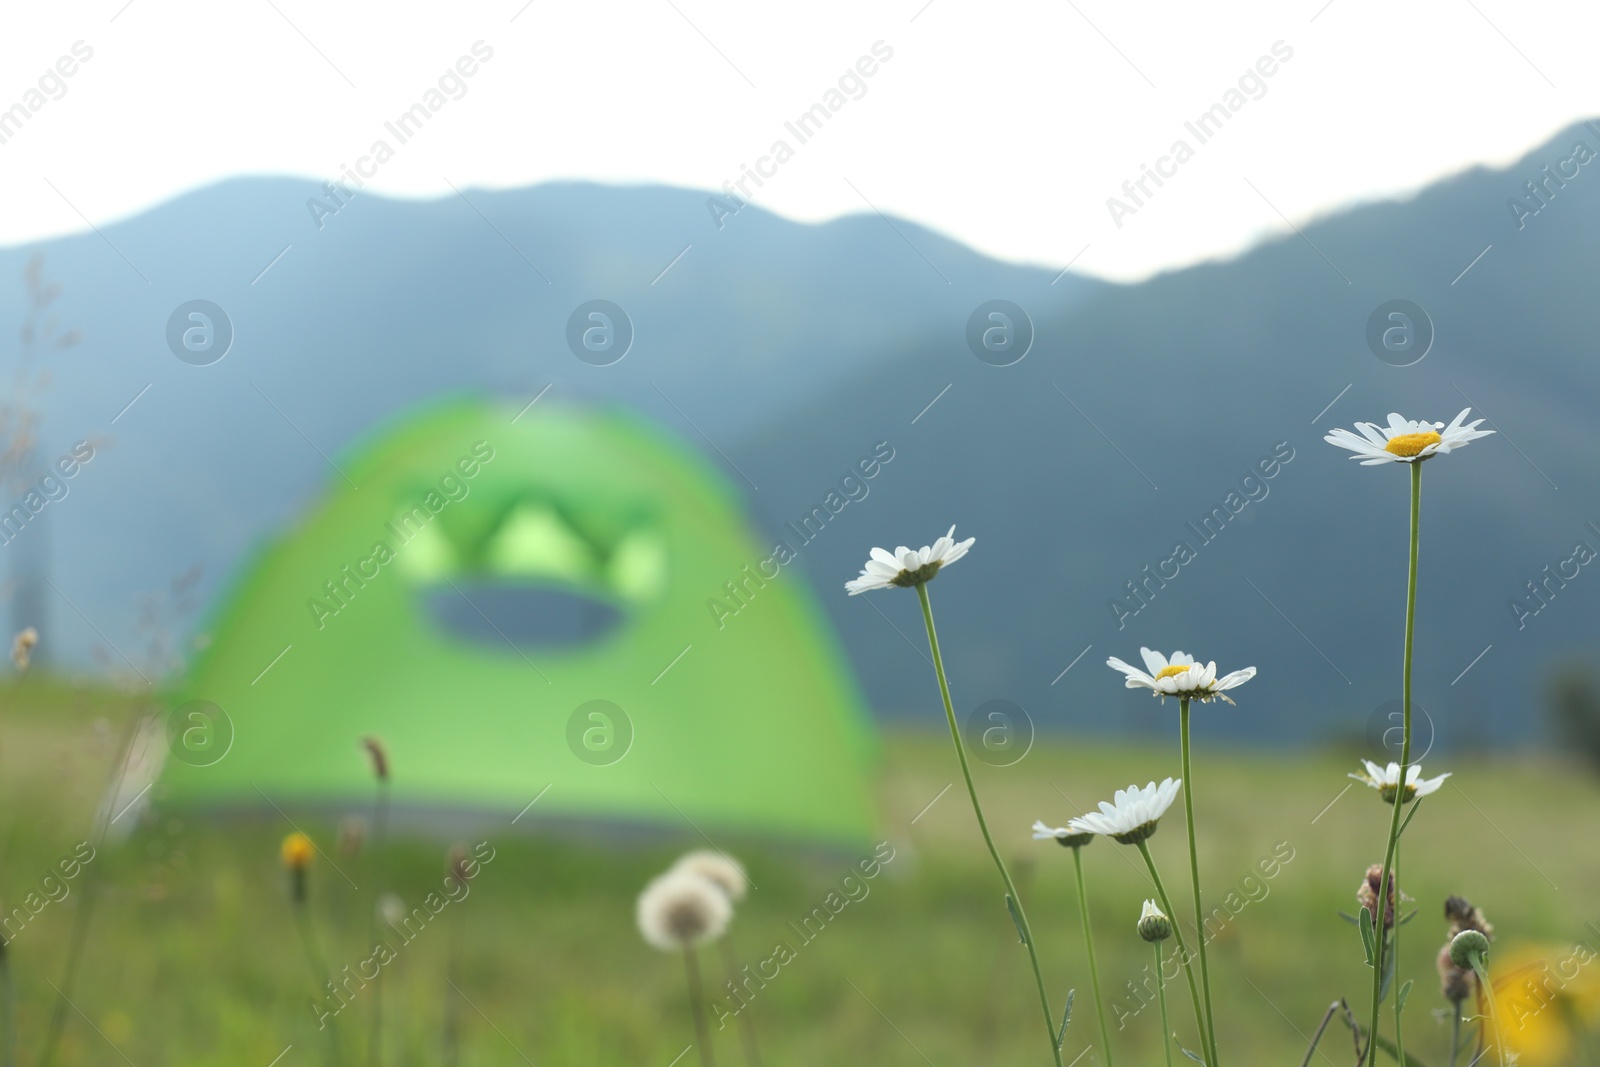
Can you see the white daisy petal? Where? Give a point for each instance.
(1387, 780)
(908, 566)
(1405, 440)
(1132, 815)
(1181, 674)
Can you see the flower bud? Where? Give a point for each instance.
(297, 852)
(1153, 923)
(1367, 896)
(1463, 916)
(352, 834)
(1468, 947)
(460, 866)
(22, 647)
(378, 755)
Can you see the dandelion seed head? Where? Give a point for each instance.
(680, 909)
(718, 868)
(391, 909)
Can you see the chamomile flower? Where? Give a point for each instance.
(1132, 814)
(1387, 780)
(1406, 441)
(907, 567)
(1181, 676)
(1065, 837)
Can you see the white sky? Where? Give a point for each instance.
(1005, 124)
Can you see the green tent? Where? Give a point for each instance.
(518, 607)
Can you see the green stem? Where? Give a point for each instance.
(1210, 1036)
(1392, 850)
(8, 1005)
(1177, 932)
(1394, 947)
(983, 824)
(702, 1032)
(317, 964)
(1322, 1028)
(1494, 1014)
(1161, 995)
(452, 1012)
(746, 1024)
(79, 937)
(1088, 946)
(1455, 1032)
(380, 834)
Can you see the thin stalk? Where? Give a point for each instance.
(1494, 1014)
(746, 1024)
(1394, 947)
(1455, 1033)
(8, 998)
(983, 824)
(452, 1013)
(1210, 1035)
(1405, 764)
(1161, 996)
(702, 1033)
(1316, 1038)
(318, 967)
(380, 833)
(1094, 969)
(80, 917)
(1177, 932)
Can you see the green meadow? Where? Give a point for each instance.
(192, 954)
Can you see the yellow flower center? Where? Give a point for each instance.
(1176, 668)
(1411, 444)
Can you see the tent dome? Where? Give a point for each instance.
(520, 607)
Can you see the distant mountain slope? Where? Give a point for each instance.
(788, 351)
(391, 303)
(1195, 377)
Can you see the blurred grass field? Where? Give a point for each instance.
(192, 956)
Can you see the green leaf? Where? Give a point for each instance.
(1066, 1017)
(1368, 941)
(1405, 991)
(1381, 1041)
(1394, 1054)
(1191, 1055)
(1347, 917)
(1389, 958)
(1409, 816)
(1016, 919)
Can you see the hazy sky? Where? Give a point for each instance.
(1006, 125)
